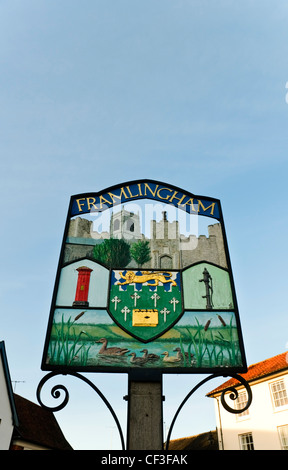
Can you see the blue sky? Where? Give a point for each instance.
(96, 93)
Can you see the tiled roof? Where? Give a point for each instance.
(257, 371)
(38, 425)
(204, 441)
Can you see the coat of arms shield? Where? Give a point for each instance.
(147, 303)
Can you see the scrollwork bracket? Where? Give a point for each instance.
(233, 395)
(57, 389)
(56, 393)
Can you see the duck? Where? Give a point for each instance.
(150, 355)
(114, 351)
(180, 354)
(137, 360)
(168, 358)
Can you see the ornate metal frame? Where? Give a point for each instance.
(56, 393)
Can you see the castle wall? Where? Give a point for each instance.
(80, 228)
(169, 249)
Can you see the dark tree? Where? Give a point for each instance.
(140, 252)
(113, 253)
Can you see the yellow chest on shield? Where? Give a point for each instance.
(145, 317)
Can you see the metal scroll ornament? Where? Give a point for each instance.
(57, 389)
(56, 393)
(233, 396)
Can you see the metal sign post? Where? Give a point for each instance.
(145, 415)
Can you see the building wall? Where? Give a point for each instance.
(6, 423)
(262, 420)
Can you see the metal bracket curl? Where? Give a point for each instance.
(233, 396)
(55, 392)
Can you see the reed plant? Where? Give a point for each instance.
(229, 344)
(68, 346)
(198, 342)
(211, 345)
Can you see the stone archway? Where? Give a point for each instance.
(166, 262)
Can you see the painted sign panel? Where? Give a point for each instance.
(144, 282)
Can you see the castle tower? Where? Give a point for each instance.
(125, 224)
(165, 244)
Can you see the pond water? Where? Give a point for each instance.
(211, 356)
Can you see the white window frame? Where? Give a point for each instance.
(279, 394)
(246, 441)
(283, 436)
(240, 403)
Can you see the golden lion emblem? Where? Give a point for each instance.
(130, 278)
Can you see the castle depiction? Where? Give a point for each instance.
(168, 248)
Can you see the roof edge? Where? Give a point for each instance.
(250, 376)
(8, 383)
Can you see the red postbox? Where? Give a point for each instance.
(82, 289)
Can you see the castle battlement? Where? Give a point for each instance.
(169, 248)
